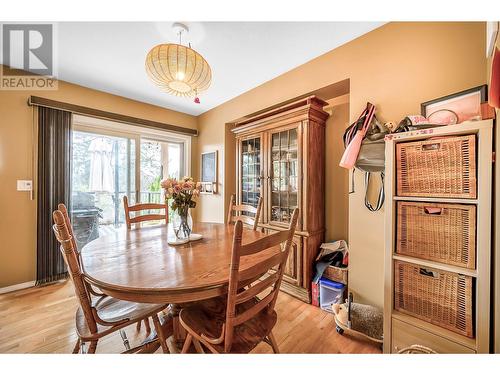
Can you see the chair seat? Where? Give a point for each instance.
(113, 310)
(207, 317)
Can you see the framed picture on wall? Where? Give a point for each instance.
(465, 105)
(209, 172)
(207, 188)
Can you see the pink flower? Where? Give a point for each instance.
(165, 184)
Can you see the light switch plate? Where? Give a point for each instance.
(24, 185)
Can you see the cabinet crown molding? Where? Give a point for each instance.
(309, 108)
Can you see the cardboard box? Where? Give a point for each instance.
(315, 294)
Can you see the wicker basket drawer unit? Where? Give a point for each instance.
(440, 232)
(438, 297)
(442, 167)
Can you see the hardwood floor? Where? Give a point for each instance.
(41, 320)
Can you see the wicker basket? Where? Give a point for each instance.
(435, 231)
(444, 167)
(438, 297)
(417, 349)
(336, 274)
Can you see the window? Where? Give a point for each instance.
(110, 160)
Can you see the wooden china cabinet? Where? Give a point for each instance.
(281, 158)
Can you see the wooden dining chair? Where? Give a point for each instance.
(239, 322)
(99, 316)
(237, 212)
(62, 207)
(139, 218)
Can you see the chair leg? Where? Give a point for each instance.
(124, 337)
(148, 327)
(159, 332)
(187, 344)
(146, 324)
(198, 347)
(76, 349)
(92, 347)
(273, 342)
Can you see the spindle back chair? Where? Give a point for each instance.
(239, 212)
(140, 218)
(249, 315)
(118, 314)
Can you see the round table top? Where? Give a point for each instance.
(139, 265)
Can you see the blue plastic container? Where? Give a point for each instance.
(330, 292)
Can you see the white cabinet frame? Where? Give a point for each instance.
(482, 274)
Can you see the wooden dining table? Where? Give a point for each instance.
(139, 265)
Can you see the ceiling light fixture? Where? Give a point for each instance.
(177, 69)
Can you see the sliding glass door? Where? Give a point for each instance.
(158, 160)
(107, 165)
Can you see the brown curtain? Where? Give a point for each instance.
(54, 178)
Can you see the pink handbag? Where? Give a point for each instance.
(494, 97)
(352, 150)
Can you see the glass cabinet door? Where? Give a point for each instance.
(250, 171)
(284, 175)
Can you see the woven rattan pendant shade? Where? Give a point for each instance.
(178, 70)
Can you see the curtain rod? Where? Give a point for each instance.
(92, 112)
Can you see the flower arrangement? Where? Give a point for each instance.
(182, 192)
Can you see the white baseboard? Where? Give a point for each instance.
(12, 288)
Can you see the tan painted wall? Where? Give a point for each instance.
(18, 212)
(210, 207)
(397, 66)
(337, 186)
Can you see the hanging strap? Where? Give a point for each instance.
(381, 193)
(352, 181)
(353, 129)
(365, 111)
(369, 116)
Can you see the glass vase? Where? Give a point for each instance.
(182, 223)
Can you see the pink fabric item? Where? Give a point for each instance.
(418, 119)
(351, 152)
(494, 97)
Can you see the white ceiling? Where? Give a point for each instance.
(109, 56)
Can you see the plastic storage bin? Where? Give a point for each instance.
(330, 292)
